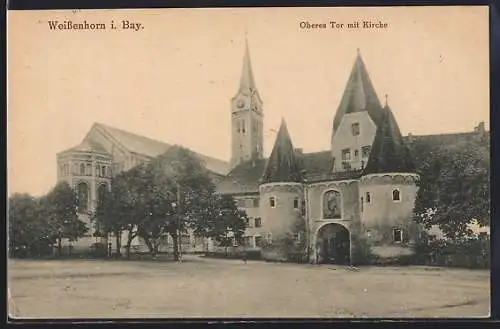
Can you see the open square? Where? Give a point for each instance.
(202, 287)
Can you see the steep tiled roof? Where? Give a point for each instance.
(389, 152)
(88, 146)
(282, 165)
(152, 148)
(317, 166)
(245, 178)
(359, 95)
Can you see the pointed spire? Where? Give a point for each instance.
(386, 101)
(357, 101)
(389, 153)
(247, 83)
(282, 165)
(359, 95)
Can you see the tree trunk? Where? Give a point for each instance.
(59, 247)
(150, 246)
(131, 237)
(175, 246)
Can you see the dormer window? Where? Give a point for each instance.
(355, 129)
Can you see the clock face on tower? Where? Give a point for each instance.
(240, 103)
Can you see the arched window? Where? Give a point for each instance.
(396, 195)
(89, 169)
(103, 173)
(332, 205)
(98, 170)
(83, 196)
(101, 191)
(75, 168)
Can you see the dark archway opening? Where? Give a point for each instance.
(333, 245)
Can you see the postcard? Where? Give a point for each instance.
(249, 163)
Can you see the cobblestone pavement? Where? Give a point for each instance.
(201, 287)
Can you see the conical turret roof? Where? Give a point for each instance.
(282, 165)
(359, 95)
(389, 153)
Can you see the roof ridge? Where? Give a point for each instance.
(131, 133)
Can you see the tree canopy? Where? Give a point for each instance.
(454, 189)
(35, 224)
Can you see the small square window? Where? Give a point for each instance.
(296, 203)
(272, 202)
(368, 197)
(258, 241)
(355, 129)
(397, 235)
(258, 222)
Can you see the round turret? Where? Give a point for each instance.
(387, 202)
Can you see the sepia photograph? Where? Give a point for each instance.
(248, 163)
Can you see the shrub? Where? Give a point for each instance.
(472, 252)
(361, 252)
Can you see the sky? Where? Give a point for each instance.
(173, 79)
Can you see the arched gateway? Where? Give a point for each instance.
(333, 245)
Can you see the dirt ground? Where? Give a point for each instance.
(202, 287)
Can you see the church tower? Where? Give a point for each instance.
(246, 117)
